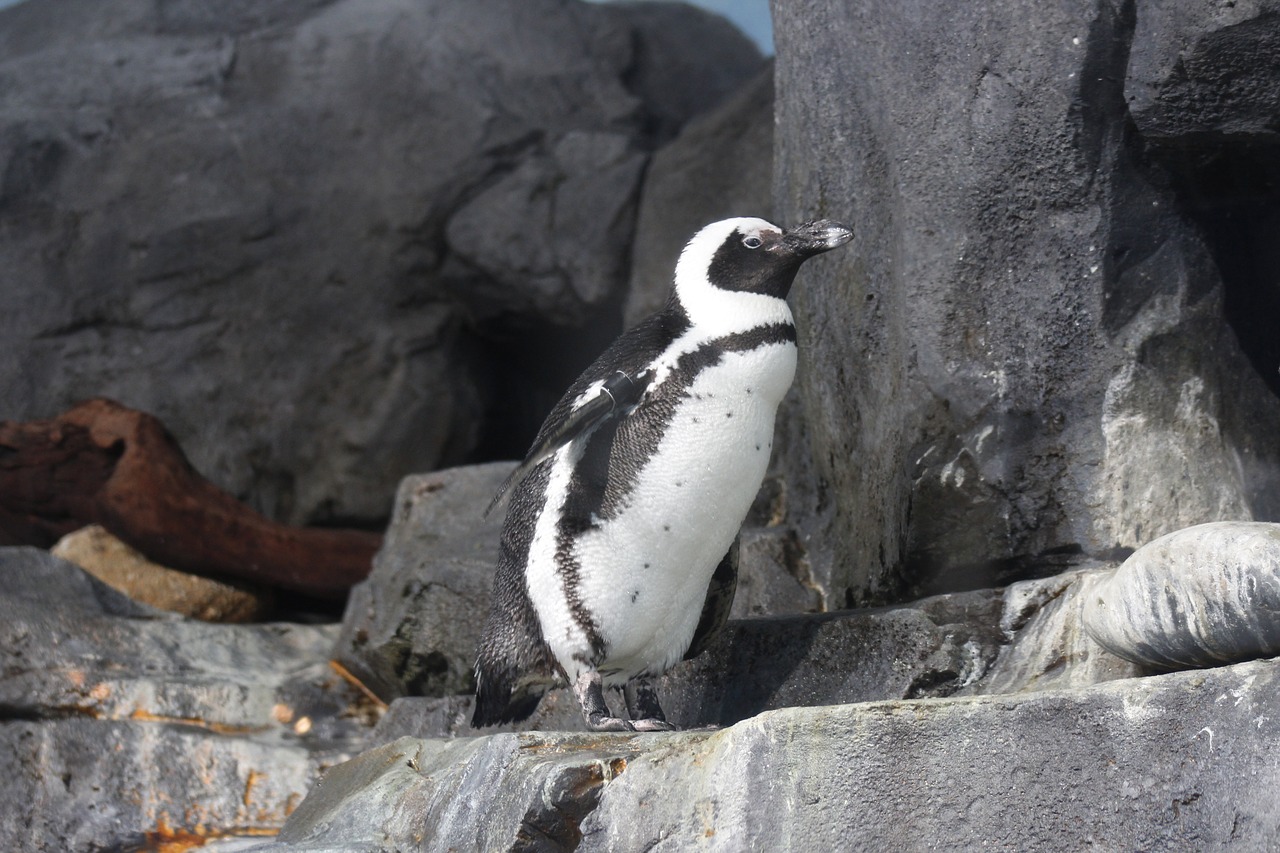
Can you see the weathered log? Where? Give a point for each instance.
(101, 462)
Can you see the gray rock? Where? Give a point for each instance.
(1202, 69)
(1046, 646)
(120, 723)
(1203, 89)
(934, 647)
(720, 165)
(1202, 596)
(1024, 351)
(1164, 762)
(773, 575)
(289, 229)
(413, 626)
(687, 61)
(420, 782)
(1028, 637)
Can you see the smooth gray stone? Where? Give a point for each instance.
(1203, 596)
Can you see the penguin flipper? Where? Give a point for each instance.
(618, 394)
(718, 603)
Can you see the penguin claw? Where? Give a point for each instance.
(611, 724)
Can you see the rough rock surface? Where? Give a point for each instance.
(1181, 760)
(120, 567)
(1206, 70)
(1045, 644)
(932, 648)
(1202, 596)
(1025, 638)
(292, 229)
(720, 165)
(122, 725)
(1203, 87)
(1024, 351)
(413, 627)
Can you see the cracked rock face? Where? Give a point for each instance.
(1143, 768)
(1030, 347)
(121, 725)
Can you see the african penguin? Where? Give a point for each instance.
(618, 556)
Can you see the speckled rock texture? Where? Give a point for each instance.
(1202, 596)
(1174, 761)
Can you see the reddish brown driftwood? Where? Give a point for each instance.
(105, 463)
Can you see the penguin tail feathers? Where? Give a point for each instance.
(499, 700)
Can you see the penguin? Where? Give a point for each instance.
(618, 556)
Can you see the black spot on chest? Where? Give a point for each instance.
(616, 453)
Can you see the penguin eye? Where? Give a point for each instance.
(752, 242)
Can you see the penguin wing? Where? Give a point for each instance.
(623, 374)
(716, 606)
(618, 394)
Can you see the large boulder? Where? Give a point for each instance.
(721, 165)
(412, 627)
(1023, 353)
(292, 229)
(1202, 596)
(1163, 762)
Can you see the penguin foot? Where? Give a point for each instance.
(642, 705)
(643, 708)
(606, 723)
(590, 693)
(653, 726)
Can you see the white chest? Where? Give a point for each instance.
(643, 574)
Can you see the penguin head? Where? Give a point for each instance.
(749, 256)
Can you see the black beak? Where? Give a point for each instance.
(812, 238)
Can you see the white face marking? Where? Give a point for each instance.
(714, 310)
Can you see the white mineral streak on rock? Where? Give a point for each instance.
(1181, 464)
(1201, 596)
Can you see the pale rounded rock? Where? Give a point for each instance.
(1201, 596)
(113, 562)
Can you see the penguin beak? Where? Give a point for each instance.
(812, 238)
